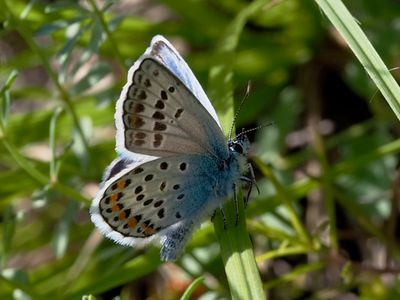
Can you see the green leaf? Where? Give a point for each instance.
(8, 230)
(98, 72)
(61, 234)
(5, 99)
(52, 138)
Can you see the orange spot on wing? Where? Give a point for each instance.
(132, 222)
(121, 184)
(114, 197)
(115, 208)
(122, 215)
(149, 231)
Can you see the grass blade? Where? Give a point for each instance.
(236, 248)
(344, 22)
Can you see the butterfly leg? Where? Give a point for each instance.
(236, 205)
(174, 241)
(251, 180)
(223, 215)
(253, 177)
(213, 215)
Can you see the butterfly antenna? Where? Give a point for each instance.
(253, 129)
(239, 108)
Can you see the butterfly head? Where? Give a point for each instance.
(240, 145)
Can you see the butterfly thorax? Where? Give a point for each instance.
(233, 167)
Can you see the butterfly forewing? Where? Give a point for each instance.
(162, 51)
(156, 195)
(162, 117)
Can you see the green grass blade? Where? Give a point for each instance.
(236, 248)
(287, 202)
(192, 287)
(344, 22)
(134, 269)
(52, 143)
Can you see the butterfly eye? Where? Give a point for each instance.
(237, 148)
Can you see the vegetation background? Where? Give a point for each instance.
(325, 224)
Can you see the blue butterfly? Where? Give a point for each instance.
(175, 166)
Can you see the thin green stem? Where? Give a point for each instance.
(52, 144)
(295, 274)
(305, 185)
(327, 187)
(128, 272)
(286, 200)
(28, 37)
(104, 25)
(37, 176)
(270, 232)
(280, 252)
(348, 166)
(24, 164)
(70, 192)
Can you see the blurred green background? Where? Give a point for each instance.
(333, 148)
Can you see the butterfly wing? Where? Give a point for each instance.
(162, 112)
(159, 115)
(162, 51)
(165, 197)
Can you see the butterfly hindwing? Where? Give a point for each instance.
(155, 197)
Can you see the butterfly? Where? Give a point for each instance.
(175, 167)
